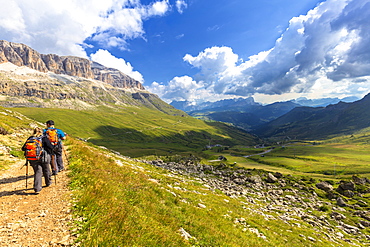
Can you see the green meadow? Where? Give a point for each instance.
(335, 158)
(140, 131)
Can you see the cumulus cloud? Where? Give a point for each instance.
(324, 52)
(181, 5)
(178, 88)
(105, 58)
(61, 27)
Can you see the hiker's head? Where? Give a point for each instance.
(37, 131)
(50, 123)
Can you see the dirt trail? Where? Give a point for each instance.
(27, 219)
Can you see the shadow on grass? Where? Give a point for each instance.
(116, 138)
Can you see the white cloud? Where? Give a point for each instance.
(181, 5)
(158, 8)
(61, 27)
(179, 88)
(105, 58)
(327, 46)
(180, 36)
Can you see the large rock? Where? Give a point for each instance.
(325, 186)
(341, 202)
(346, 189)
(271, 178)
(347, 186)
(358, 180)
(256, 179)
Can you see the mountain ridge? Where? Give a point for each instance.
(248, 114)
(25, 87)
(31, 79)
(23, 55)
(319, 122)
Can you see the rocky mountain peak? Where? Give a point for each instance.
(23, 55)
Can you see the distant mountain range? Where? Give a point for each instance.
(319, 122)
(290, 120)
(247, 114)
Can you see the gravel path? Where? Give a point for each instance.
(27, 219)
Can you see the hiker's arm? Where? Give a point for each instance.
(47, 144)
(61, 134)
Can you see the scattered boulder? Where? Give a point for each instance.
(325, 186)
(348, 193)
(365, 223)
(346, 186)
(3, 131)
(256, 179)
(337, 216)
(358, 180)
(221, 157)
(271, 178)
(341, 202)
(278, 175)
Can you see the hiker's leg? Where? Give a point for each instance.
(46, 171)
(53, 161)
(59, 159)
(37, 177)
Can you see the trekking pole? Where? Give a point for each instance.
(54, 167)
(26, 173)
(65, 154)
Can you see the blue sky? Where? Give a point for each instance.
(206, 50)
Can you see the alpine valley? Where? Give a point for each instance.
(143, 173)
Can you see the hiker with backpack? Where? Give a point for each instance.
(55, 136)
(37, 150)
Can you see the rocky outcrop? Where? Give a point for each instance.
(324, 186)
(24, 87)
(22, 55)
(114, 77)
(279, 197)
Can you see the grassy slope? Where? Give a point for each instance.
(120, 202)
(134, 204)
(333, 158)
(135, 131)
(16, 128)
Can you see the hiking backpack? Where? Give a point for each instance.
(33, 148)
(52, 135)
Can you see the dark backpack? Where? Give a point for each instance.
(33, 148)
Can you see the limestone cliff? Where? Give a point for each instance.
(22, 55)
(25, 87)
